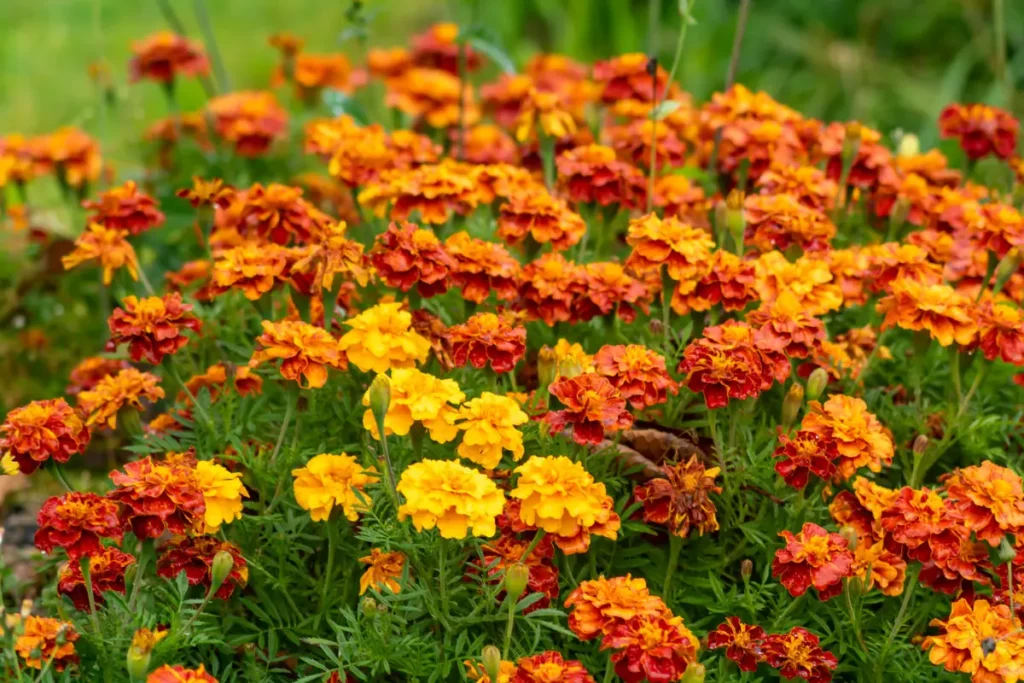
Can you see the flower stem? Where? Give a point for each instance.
(289, 409)
(87, 577)
(978, 377)
(509, 624)
(854, 616)
(675, 544)
(547, 155)
(907, 593)
(211, 44)
(58, 473)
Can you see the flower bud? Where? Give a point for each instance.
(380, 397)
(62, 635)
(569, 368)
(222, 565)
(369, 607)
(735, 220)
(816, 383)
(1008, 265)
(746, 569)
(910, 146)
(694, 673)
(547, 365)
(791, 405)
(137, 664)
(516, 578)
(850, 534)
(920, 445)
(1006, 551)
(898, 215)
(491, 659)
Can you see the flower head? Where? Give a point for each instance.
(194, 555)
(125, 208)
(550, 667)
(382, 571)
(637, 372)
(406, 256)
(681, 498)
(434, 190)
(629, 77)
(980, 639)
(550, 288)
(328, 481)
(490, 424)
(543, 111)
(814, 557)
(433, 96)
(222, 494)
(781, 220)
(728, 281)
(981, 129)
(164, 56)
(106, 245)
(656, 648)
(543, 217)
(249, 120)
(937, 309)
(684, 249)
(253, 267)
(610, 290)
(797, 654)
(785, 327)
(1001, 332)
(600, 605)
(990, 499)
(439, 47)
(592, 173)
(158, 497)
(43, 430)
(859, 437)
(418, 397)
(70, 153)
(91, 370)
(179, 674)
(480, 267)
(743, 642)
(809, 278)
(804, 454)
(46, 642)
(112, 393)
(488, 338)
(451, 497)
(923, 525)
(381, 339)
(305, 351)
(106, 572)
(77, 522)
(591, 404)
(152, 327)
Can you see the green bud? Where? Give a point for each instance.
(547, 365)
(222, 565)
(816, 383)
(1008, 265)
(1006, 550)
(850, 534)
(380, 397)
(516, 578)
(369, 607)
(491, 659)
(694, 673)
(920, 445)
(791, 405)
(735, 219)
(910, 146)
(746, 569)
(137, 664)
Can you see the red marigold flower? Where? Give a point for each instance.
(600, 605)
(504, 98)
(981, 129)
(305, 350)
(729, 281)
(784, 326)
(479, 266)
(781, 220)
(47, 643)
(548, 667)
(125, 208)
(756, 145)
(152, 327)
(656, 649)
(816, 558)
(158, 497)
(805, 454)
(165, 55)
(249, 120)
(106, 572)
(681, 500)
(194, 555)
(957, 573)
(1000, 332)
(488, 338)
(684, 249)
(809, 185)
(593, 173)
(278, 213)
(91, 370)
(730, 362)
(626, 77)
(637, 372)
(246, 382)
(179, 674)
(990, 499)
(439, 47)
(923, 526)
(77, 522)
(42, 430)
(406, 256)
(860, 438)
(544, 217)
(126, 388)
(797, 654)
(550, 287)
(873, 159)
(608, 290)
(743, 642)
(508, 551)
(435, 190)
(593, 406)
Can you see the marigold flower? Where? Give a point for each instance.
(600, 605)
(592, 173)
(222, 494)
(781, 220)
(253, 267)
(859, 437)
(47, 643)
(814, 557)
(808, 278)
(627, 77)
(328, 481)
(476, 672)
(479, 266)
(433, 96)
(728, 281)
(179, 674)
(145, 640)
(651, 648)
(382, 571)
(550, 288)
(41, 430)
(488, 338)
(311, 73)
(508, 551)
(684, 249)
(637, 372)
(902, 261)
(805, 454)
(981, 129)
(450, 496)
(544, 111)
(990, 499)
(490, 424)
(388, 62)
(165, 55)
(106, 245)
(439, 48)
(153, 326)
(550, 666)
(679, 197)
(960, 572)
(125, 208)
(681, 499)
(807, 184)
(923, 525)
(406, 256)
(938, 309)
(112, 393)
(797, 654)
(980, 639)
(73, 155)
(541, 216)
(305, 350)
(609, 289)
(486, 144)
(194, 555)
(434, 190)
(1000, 332)
(785, 327)
(106, 572)
(380, 339)
(743, 642)
(91, 370)
(592, 405)
(560, 497)
(276, 212)
(158, 497)
(418, 397)
(249, 120)
(77, 522)
(877, 566)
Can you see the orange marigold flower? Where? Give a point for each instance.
(1000, 332)
(807, 184)
(106, 245)
(382, 571)
(159, 497)
(633, 142)
(679, 197)
(980, 639)
(106, 571)
(249, 120)
(981, 129)
(543, 111)
(592, 173)
(550, 287)
(600, 605)
(164, 56)
(433, 96)
(439, 48)
(785, 327)
(179, 674)
(990, 499)
(877, 566)
(592, 405)
(487, 144)
(357, 155)
(814, 557)
(938, 309)
(808, 278)
(628, 77)
(276, 212)
(743, 642)
(77, 522)
(311, 73)
(406, 256)
(194, 555)
(125, 208)
(549, 667)
(892, 261)
(47, 643)
(780, 220)
(680, 498)
(684, 249)
(254, 267)
(651, 649)
(305, 350)
(479, 266)
(1000, 229)
(488, 338)
(73, 155)
(544, 217)
(504, 98)
(126, 388)
(923, 525)
(152, 327)
(860, 438)
(638, 373)
(609, 290)
(728, 281)
(836, 142)
(757, 145)
(190, 273)
(731, 362)
(435, 190)
(388, 62)
(91, 370)
(41, 430)
(797, 654)
(334, 255)
(804, 454)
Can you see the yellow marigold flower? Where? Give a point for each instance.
(382, 571)
(8, 465)
(222, 491)
(543, 110)
(560, 497)
(330, 480)
(489, 423)
(860, 438)
(418, 397)
(938, 309)
(109, 246)
(382, 339)
(571, 359)
(451, 497)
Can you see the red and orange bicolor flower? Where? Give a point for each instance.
(42, 431)
(158, 497)
(77, 522)
(152, 327)
(814, 557)
(125, 208)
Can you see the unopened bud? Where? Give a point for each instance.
(137, 664)
(694, 673)
(62, 635)
(735, 221)
(1007, 552)
(1008, 265)
(816, 383)
(223, 563)
(516, 578)
(746, 569)
(380, 397)
(490, 657)
(898, 215)
(791, 405)
(569, 368)
(547, 365)
(920, 445)
(850, 534)
(656, 327)
(910, 146)
(369, 607)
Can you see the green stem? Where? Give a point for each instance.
(954, 369)
(854, 616)
(139, 567)
(547, 155)
(609, 671)
(211, 45)
(145, 280)
(999, 29)
(786, 612)
(87, 578)
(57, 470)
(675, 544)
(509, 624)
(907, 593)
(329, 570)
(202, 606)
(978, 377)
(289, 409)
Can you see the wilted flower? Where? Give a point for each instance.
(305, 350)
(77, 522)
(158, 497)
(195, 556)
(418, 397)
(222, 494)
(106, 245)
(490, 424)
(114, 392)
(106, 572)
(814, 557)
(591, 405)
(981, 129)
(406, 256)
(43, 430)
(46, 642)
(380, 339)
(382, 571)
(454, 498)
(797, 654)
(680, 499)
(152, 327)
(328, 481)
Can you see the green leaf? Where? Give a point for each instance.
(664, 109)
(494, 52)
